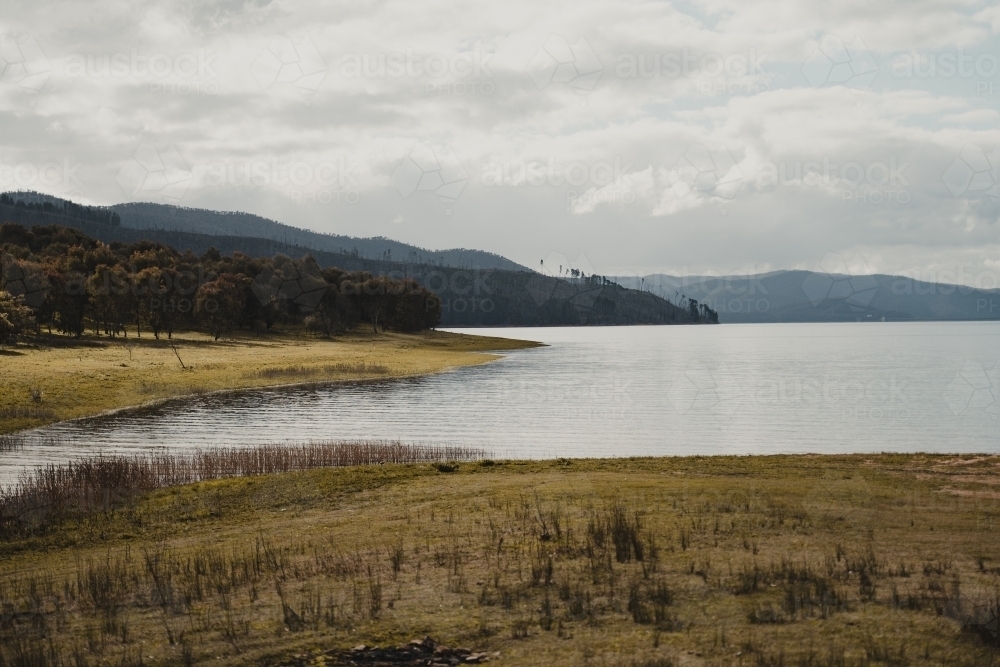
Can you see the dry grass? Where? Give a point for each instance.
(60, 378)
(727, 561)
(51, 493)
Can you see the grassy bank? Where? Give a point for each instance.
(61, 378)
(722, 561)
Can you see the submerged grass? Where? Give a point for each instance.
(723, 562)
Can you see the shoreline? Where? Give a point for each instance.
(167, 400)
(82, 389)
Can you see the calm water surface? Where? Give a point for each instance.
(622, 391)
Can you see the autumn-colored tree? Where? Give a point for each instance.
(69, 280)
(329, 316)
(15, 318)
(112, 298)
(219, 304)
(415, 309)
(156, 300)
(66, 302)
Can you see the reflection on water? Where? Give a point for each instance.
(622, 391)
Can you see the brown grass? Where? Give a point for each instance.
(53, 492)
(719, 561)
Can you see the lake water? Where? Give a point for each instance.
(621, 391)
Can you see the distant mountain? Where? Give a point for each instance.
(221, 223)
(163, 217)
(809, 296)
(469, 296)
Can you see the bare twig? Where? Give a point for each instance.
(174, 348)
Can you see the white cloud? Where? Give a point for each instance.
(726, 76)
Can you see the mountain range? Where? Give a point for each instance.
(778, 296)
(813, 296)
(475, 288)
(168, 218)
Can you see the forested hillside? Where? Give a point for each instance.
(166, 218)
(63, 280)
(468, 297)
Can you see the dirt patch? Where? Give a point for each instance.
(966, 461)
(418, 652)
(970, 493)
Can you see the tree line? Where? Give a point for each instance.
(101, 214)
(57, 278)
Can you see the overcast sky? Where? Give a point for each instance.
(630, 137)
